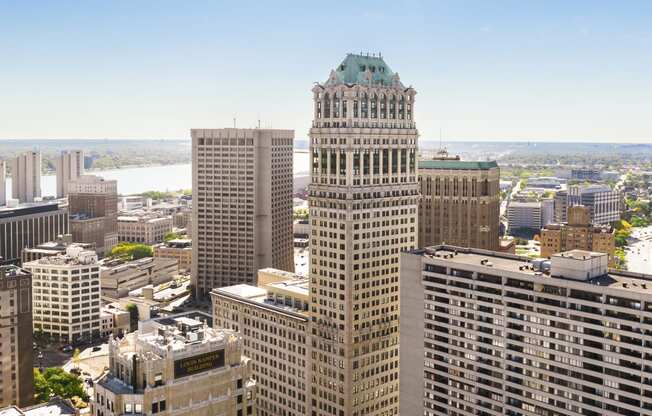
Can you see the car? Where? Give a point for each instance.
(67, 348)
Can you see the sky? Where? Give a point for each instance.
(483, 70)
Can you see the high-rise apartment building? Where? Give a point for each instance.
(363, 200)
(26, 176)
(274, 323)
(460, 203)
(3, 182)
(69, 166)
(242, 205)
(578, 234)
(16, 361)
(484, 333)
(177, 365)
(605, 204)
(28, 225)
(93, 204)
(66, 295)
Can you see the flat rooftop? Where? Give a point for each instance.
(636, 282)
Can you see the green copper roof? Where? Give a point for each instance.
(363, 70)
(456, 164)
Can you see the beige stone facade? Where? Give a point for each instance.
(242, 205)
(274, 323)
(578, 233)
(460, 203)
(147, 229)
(66, 295)
(177, 365)
(16, 360)
(363, 200)
(179, 249)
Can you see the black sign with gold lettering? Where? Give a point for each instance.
(198, 363)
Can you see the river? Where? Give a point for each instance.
(154, 178)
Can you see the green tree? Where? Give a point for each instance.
(171, 236)
(133, 316)
(42, 390)
(55, 381)
(132, 251)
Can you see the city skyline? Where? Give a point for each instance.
(486, 72)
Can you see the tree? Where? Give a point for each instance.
(133, 316)
(75, 357)
(171, 236)
(132, 251)
(56, 382)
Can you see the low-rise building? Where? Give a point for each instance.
(177, 365)
(119, 277)
(146, 228)
(578, 234)
(66, 295)
(56, 406)
(273, 319)
(179, 249)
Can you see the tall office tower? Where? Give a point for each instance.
(561, 207)
(67, 295)
(26, 176)
(363, 200)
(242, 205)
(460, 203)
(69, 167)
(16, 362)
(484, 333)
(93, 204)
(28, 225)
(3, 182)
(604, 203)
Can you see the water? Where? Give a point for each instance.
(154, 178)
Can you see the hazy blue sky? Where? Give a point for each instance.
(501, 70)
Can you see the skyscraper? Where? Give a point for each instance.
(242, 205)
(363, 201)
(460, 203)
(93, 204)
(69, 167)
(26, 176)
(16, 360)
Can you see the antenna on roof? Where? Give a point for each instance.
(233, 122)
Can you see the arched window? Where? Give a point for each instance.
(364, 105)
(392, 107)
(401, 108)
(383, 106)
(374, 106)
